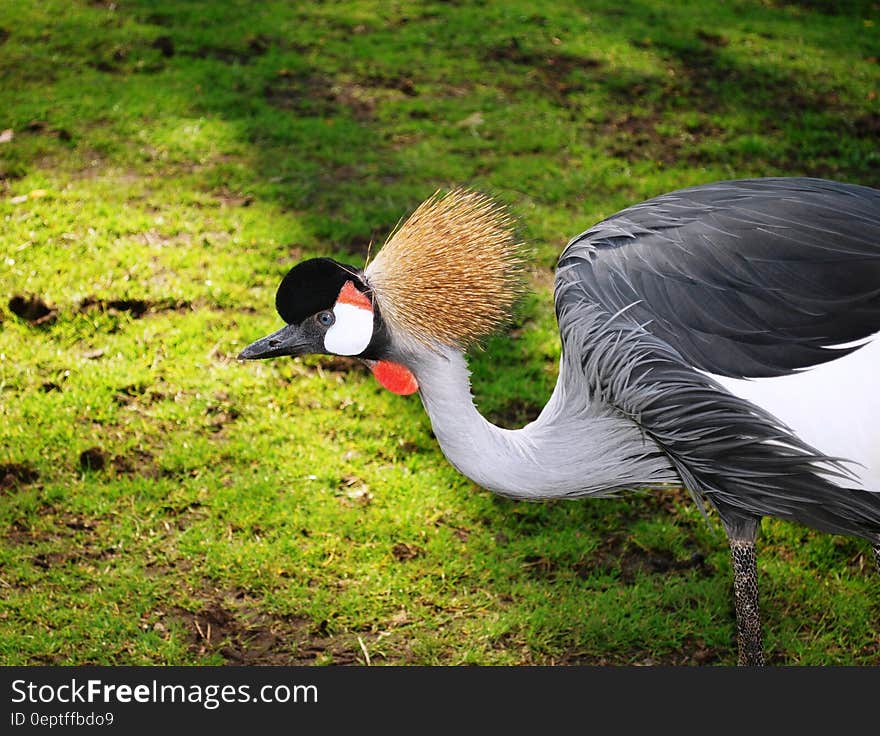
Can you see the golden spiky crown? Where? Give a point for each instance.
(451, 272)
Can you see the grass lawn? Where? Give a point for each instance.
(163, 163)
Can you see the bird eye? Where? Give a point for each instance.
(326, 318)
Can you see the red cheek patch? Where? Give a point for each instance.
(394, 377)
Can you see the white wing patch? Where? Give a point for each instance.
(834, 406)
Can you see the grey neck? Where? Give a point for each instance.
(572, 449)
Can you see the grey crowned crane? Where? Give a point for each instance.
(722, 337)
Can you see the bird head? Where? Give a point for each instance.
(448, 276)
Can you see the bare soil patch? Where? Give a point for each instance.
(32, 309)
(550, 70)
(234, 628)
(13, 475)
(137, 308)
(614, 554)
(94, 458)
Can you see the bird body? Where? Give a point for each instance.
(722, 337)
(740, 296)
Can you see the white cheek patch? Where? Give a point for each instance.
(353, 329)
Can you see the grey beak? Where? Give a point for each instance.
(289, 340)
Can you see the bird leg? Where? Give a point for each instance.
(745, 589)
(877, 557)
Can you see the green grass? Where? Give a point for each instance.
(183, 155)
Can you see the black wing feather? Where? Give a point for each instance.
(752, 278)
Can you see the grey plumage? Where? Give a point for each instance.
(728, 278)
(743, 278)
(539, 461)
(744, 461)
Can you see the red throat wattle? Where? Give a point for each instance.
(394, 377)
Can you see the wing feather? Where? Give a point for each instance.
(745, 278)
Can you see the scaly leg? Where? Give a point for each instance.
(745, 589)
(877, 557)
